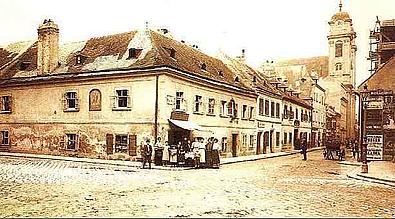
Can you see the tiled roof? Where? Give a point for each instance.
(247, 74)
(191, 60)
(383, 78)
(344, 16)
(112, 53)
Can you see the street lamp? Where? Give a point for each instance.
(364, 96)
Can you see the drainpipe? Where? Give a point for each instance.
(156, 108)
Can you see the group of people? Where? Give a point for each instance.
(199, 154)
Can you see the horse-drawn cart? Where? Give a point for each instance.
(333, 151)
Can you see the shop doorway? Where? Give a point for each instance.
(296, 139)
(265, 142)
(234, 145)
(258, 143)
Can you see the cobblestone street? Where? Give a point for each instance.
(284, 186)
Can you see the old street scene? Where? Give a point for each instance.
(163, 109)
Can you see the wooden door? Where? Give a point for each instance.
(132, 145)
(258, 143)
(234, 145)
(110, 143)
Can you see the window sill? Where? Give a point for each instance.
(121, 109)
(180, 110)
(5, 112)
(71, 150)
(223, 116)
(71, 110)
(198, 113)
(244, 118)
(252, 119)
(210, 114)
(7, 145)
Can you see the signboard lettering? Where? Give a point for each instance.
(374, 147)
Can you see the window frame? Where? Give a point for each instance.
(3, 138)
(127, 98)
(6, 108)
(69, 140)
(121, 146)
(211, 107)
(198, 104)
(68, 99)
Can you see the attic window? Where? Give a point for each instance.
(220, 73)
(254, 79)
(237, 79)
(173, 53)
(134, 53)
(203, 66)
(79, 59)
(23, 65)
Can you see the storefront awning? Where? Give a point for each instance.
(188, 125)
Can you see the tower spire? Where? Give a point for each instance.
(340, 6)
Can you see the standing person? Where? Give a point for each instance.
(166, 154)
(215, 154)
(304, 149)
(142, 153)
(158, 149)
(356, 149)
(202, 153)
(195, 149)
(209, 152)
(147, 153)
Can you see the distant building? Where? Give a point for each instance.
(326, 79)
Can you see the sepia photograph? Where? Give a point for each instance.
(197, 109)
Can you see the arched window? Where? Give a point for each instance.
(339, 49)
(94, 100)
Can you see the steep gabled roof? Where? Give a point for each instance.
(191, 60)
(383, 78)
(247, 74)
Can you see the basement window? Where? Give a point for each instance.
(72, 142)
(121, 143)
(5, 138)
(134, 53)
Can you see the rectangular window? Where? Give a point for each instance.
(277, 110)
(266, 107)
(252, 140)
(277, 139)
(285, 138)
(223, 108)
(123, 98)
(244, 140)
(252, 114)
(272, 109)
(244, 112)
(290, 138)
(121, 143)
(231, 108)
(6, 103)
(285, 112)
(71, 142)
(5, 140)
(297, 113)
(71, 100)
(261, 106)
(198, 104)
(180, 101)
(211, 106)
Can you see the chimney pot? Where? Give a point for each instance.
(47, 47)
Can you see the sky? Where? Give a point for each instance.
(266, 29)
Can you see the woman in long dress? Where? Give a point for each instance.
(202, 152)
(166, 155)
(215, 154)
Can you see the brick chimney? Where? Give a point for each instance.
(47, 47)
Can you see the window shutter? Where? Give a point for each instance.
(77, 104)
(64, 100)
(1, 103)
(132, 145)
(109, 143)
(62, 143)
(77, 142)
(129, 103)
(11, 104)
(1, 137)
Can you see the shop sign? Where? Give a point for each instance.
(374, 147)
(179, 115)
(374, 105)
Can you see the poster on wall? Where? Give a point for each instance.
(374, 147)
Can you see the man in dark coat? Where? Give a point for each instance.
(147, 154)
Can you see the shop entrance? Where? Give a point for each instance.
(234, 145)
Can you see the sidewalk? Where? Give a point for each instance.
(136, 164)
(382, 172)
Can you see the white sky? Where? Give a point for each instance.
(266, 29)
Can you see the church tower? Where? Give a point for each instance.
(342, 48)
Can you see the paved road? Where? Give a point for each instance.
(277, 187)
